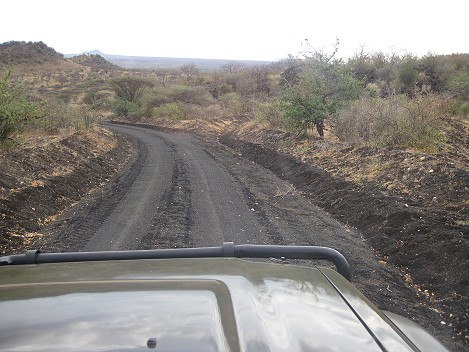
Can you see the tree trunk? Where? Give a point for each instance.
(320, 128)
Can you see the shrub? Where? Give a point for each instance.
(408, 76)
(88, 116)
(59, 115)
(235, 105)
(130, 88)
(124, 108)
(459, 107)
(458, 84)
(98, 100)
(16, 109)
(178, 93)
(170, 111)
(394, 121)
(271, 112)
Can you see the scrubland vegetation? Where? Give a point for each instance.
(375, 99)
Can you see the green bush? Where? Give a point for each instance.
(124, 108)
(16, 109)
(460, 107)
(271, 112)
(458, 84)
(169, 111)
(325, 86)
(408, 76)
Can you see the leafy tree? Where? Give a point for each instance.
(325, 86)
(16, 110)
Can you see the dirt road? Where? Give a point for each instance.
(181, 192)
(178, 191)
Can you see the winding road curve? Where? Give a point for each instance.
(179, 191)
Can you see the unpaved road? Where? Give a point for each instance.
(178, 192)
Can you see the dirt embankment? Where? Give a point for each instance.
(411, 207)
(38, 182)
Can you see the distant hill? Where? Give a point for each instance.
(36, 58)
(20, 53)
(35, 53)
(94, 61)
(144, 62)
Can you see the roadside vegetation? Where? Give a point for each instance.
(22, 111)
(372, 99)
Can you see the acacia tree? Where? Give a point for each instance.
(128, 92)
(130, 88)
(325, 85)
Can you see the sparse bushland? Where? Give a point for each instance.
(398, 96)
(21, 111)
(371, 99)
(15, 52)
(61, 116)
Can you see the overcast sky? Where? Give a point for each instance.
(238, 29)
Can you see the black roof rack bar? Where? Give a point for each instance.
(229, 249)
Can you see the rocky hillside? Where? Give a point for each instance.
(39, 63)
(16, 53)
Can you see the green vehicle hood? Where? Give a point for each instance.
(188, 305)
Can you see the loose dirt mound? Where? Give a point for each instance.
(39, 182)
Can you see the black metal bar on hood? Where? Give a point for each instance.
(227, 250)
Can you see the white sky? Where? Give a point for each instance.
(237, 29)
